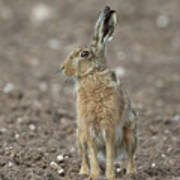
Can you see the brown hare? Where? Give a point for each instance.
(106, 122)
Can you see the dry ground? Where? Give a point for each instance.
(37, 113)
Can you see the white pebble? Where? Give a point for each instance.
(17, 136)
(162, 21)
(19, 120)
(163, 155)
(32, 127)
(153, 165)
(3, 130)
(61, 171)
(176, 117)
(41, 13)
(53, 44)
(8, 88)
(9, 148)
(66, 157)
(60, 158)
(54, 165)
(120, 71)
(10, 164)
(118, 170)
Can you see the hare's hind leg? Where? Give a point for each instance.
(82, 145)
(131, 145)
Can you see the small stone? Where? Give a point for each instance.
(17, 136)
(53, 44)
(32, 127)
(162, 21)
(60, 158)
(163, 155)
(41, 13)
(54, 165)
(9, 148)
(8, 88)
(176, 117)
(19, 120)
(61, 172)
(153, 165)
(66, 156)
(118, 170)
(10, 164)
(3, 130)
(120, 71)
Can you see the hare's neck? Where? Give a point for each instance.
(101, 60)
(94, 80)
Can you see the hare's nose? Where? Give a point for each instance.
(62, 67)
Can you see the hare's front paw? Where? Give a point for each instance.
(93, 176)
(84, 170)
(111, 178)
(131, 170)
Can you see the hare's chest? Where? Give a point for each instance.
(97, 107)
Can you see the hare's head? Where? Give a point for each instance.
(80, 62)
(83, 60)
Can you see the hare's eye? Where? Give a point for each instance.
(84, 54)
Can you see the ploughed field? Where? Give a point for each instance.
(37, 111)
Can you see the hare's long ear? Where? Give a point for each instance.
(104, 28)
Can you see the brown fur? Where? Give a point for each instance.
(106, 122)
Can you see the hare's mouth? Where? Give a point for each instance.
(62, 68)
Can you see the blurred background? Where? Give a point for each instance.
(37, 111)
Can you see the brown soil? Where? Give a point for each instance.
(37, 112)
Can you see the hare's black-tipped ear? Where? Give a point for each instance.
(104, 27)
(108, 27)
